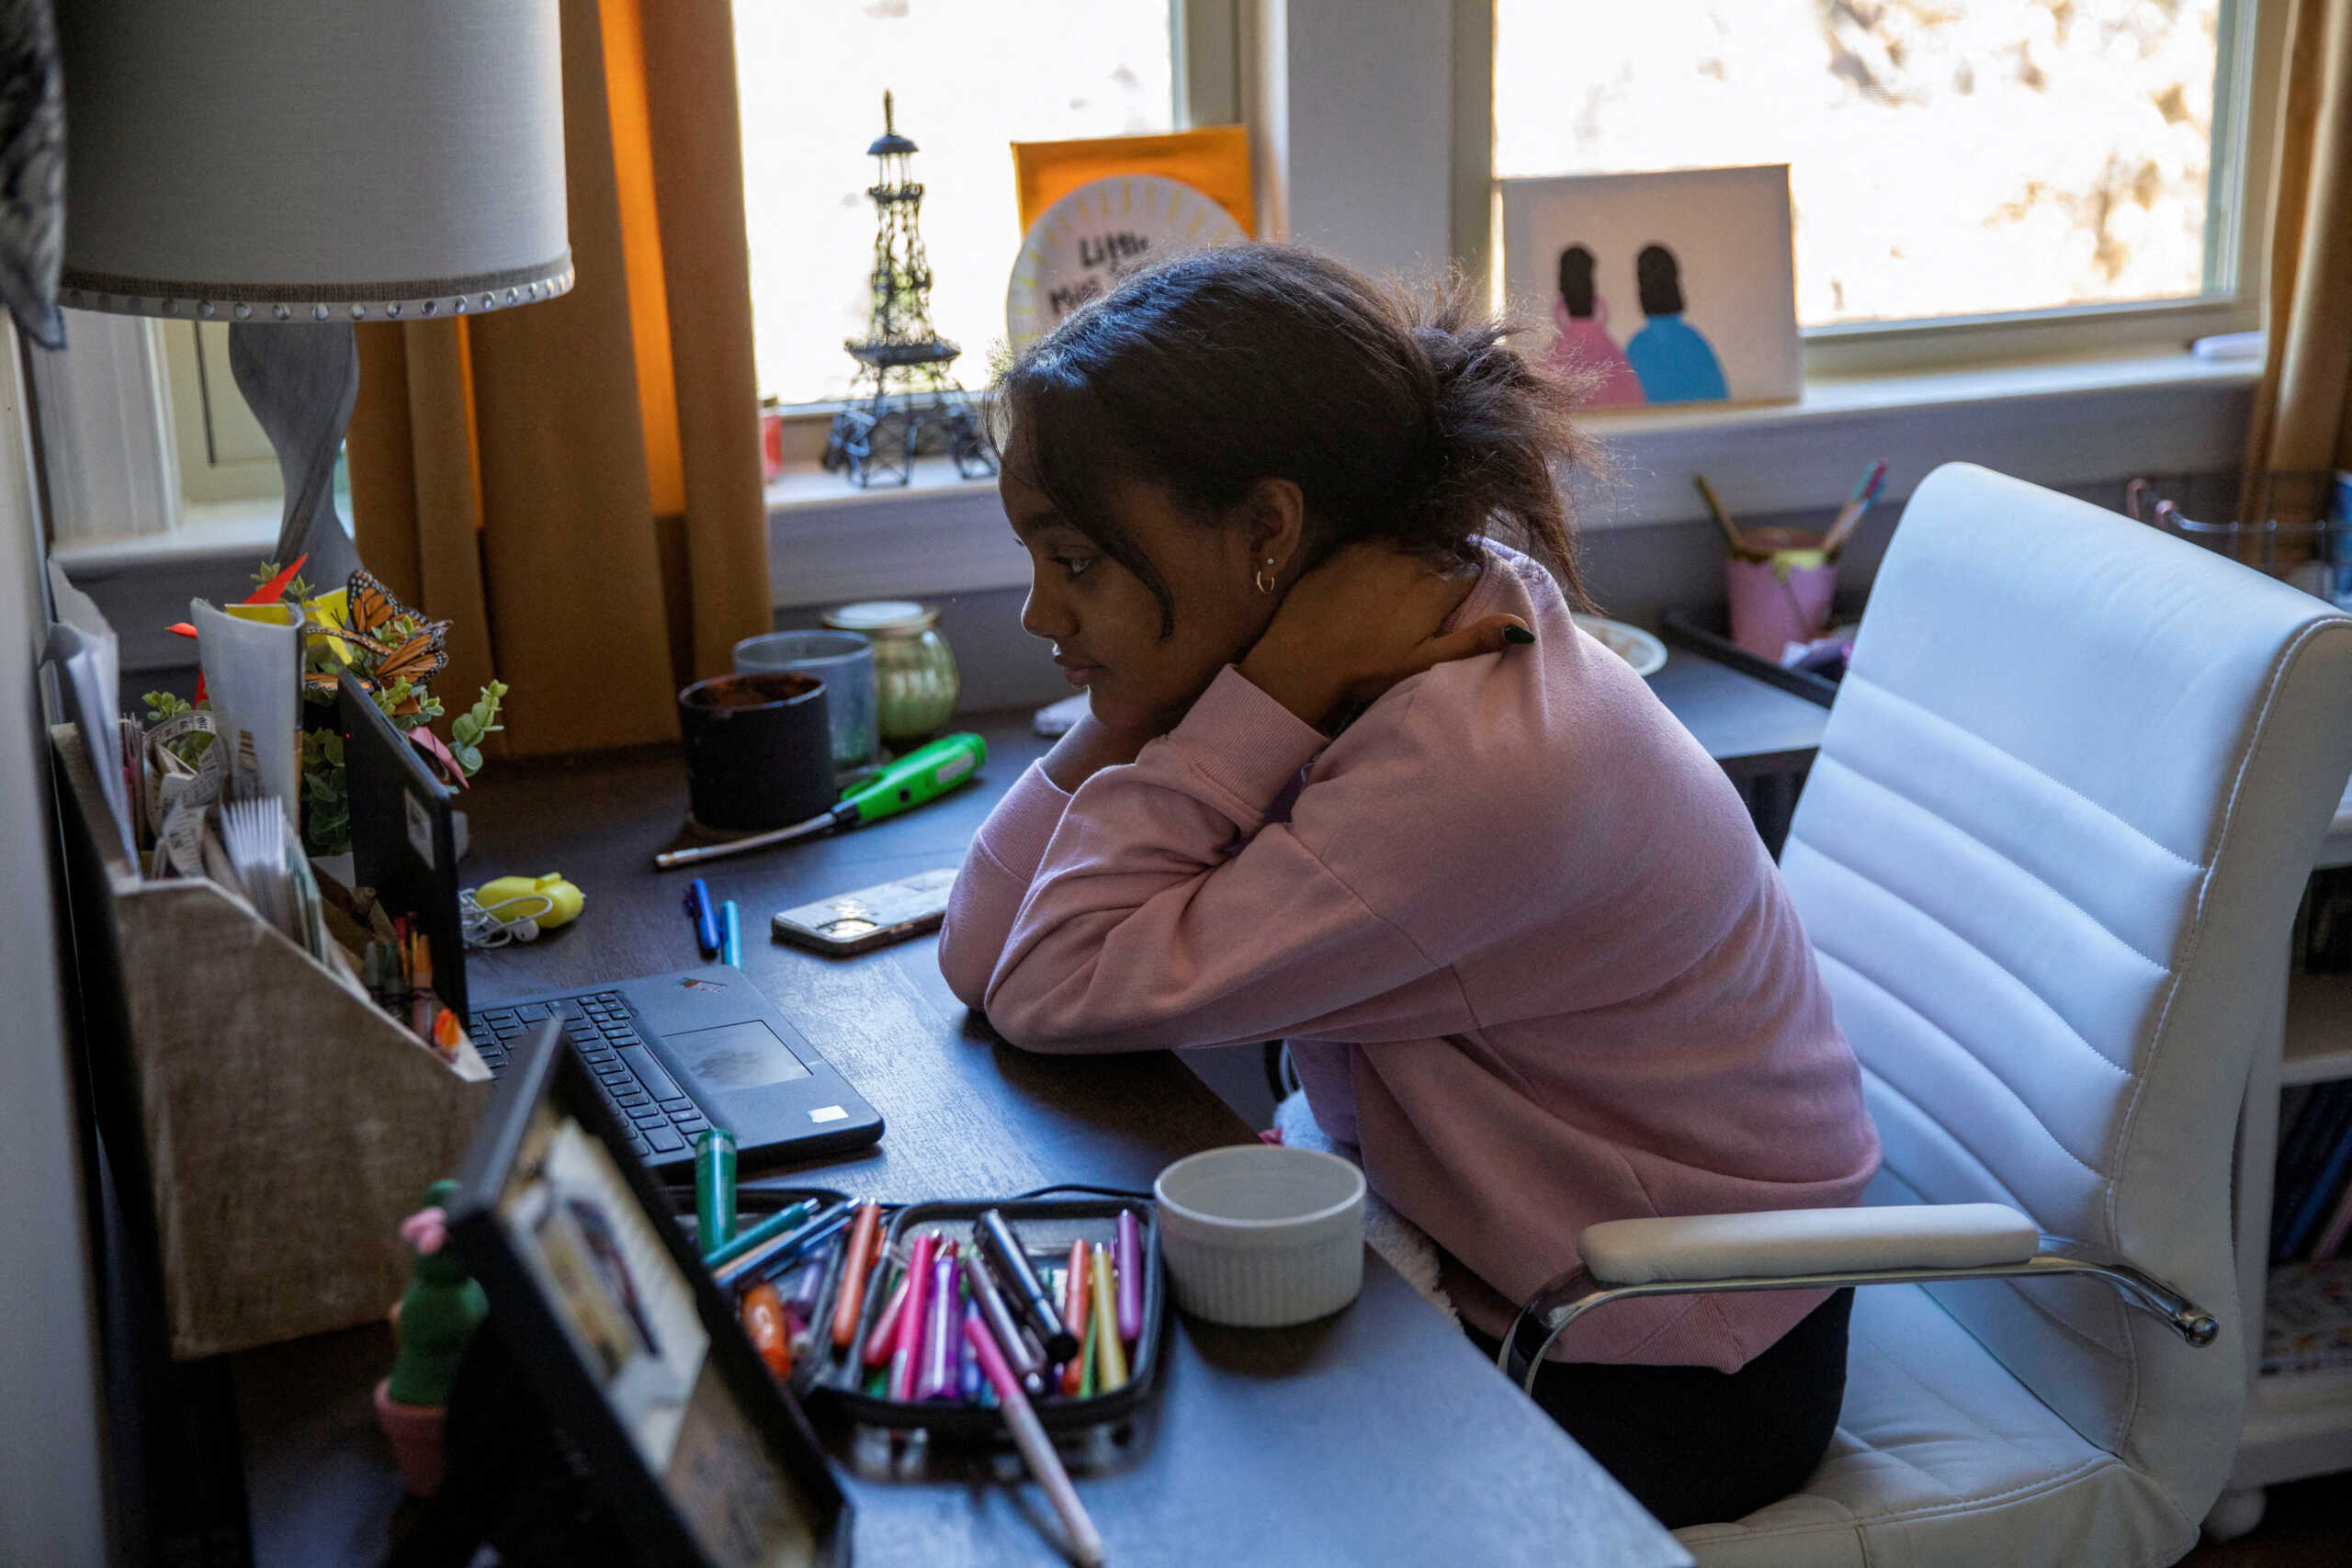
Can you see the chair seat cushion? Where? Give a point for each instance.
(1942, 1457)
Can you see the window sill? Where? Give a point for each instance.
(245, 531)
(2063, 423)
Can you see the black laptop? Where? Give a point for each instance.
(674, 1053)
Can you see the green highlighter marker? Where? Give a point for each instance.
(916, 779)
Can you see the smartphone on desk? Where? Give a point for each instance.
(853, 922)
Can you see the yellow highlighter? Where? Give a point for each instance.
(1111, 1356)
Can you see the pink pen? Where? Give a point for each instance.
(1036, 1448)
(914, 1317)
(936, 1379)
(1126, 1258)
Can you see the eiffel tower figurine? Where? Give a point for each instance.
(903, 399)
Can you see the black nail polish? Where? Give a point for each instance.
(1518, 634)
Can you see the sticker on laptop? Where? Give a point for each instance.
(829, 1113)
(697, 983)
(420, 828)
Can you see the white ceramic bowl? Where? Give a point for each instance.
(1257, 1236)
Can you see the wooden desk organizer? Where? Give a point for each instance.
(288, 1123)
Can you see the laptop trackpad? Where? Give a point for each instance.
(735, 1055)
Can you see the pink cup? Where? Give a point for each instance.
(1783, 599)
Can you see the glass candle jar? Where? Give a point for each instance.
(915, 680)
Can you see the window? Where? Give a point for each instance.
(969, 76)
(1948, 158)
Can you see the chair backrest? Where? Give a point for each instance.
(2049, 857)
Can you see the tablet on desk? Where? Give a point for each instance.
(706, 1462)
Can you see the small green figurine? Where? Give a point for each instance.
(437, 1317)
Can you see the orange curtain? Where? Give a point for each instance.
(2302, 410)
(575, 485)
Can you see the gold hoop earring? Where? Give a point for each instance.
(1264, 579)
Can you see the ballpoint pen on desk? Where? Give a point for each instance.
(730, 935)
(704, 916)
(1850, 516)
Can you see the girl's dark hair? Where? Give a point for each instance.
(1658, 276)
(1402, 418)
(1575, 281)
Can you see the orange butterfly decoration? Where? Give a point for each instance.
(370, 613)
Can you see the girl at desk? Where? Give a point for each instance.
(1353, 777)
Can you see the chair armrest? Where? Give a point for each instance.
(1804, 1249)
(1807, 1241)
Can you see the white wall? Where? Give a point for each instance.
(50, 1485)
(1352, 105)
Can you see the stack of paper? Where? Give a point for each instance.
(81, 646)
(259, 857)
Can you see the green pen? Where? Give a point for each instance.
(775, 1224)
(916, 779)
(714, 1188)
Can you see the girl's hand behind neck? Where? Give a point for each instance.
(1363, 620)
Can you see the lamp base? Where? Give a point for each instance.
(300, 379)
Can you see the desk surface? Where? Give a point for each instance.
(1378, 1435)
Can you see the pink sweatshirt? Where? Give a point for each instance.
(1519, 932)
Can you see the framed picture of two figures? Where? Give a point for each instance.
(1660, 289)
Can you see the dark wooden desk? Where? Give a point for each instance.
(1376, 1436)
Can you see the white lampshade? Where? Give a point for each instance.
(312, 160)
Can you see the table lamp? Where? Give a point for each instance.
(292, 170)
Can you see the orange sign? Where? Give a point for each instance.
(1214, 161)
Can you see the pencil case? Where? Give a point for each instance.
(836, 1381)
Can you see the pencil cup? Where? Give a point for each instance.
(1262, 1235)
(844, 663)
(758, 750)
(1784, 597)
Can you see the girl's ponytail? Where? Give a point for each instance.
(1500, 430)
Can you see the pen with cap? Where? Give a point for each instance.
(730, 934)
(1000, 1248)
(700, 910)
(1020, 1350)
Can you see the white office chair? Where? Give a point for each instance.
(2048, 857)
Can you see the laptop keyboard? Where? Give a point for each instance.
(660, 1118)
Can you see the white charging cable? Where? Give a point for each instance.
(485, 929)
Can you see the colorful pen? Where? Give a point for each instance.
(883, 1337)
(1111, 1360)
(714, 1188)
(1074, 1296)
(704, 916)
(1036, 1449)
(968, 1368)
(1850, 515)
(914, 1319)
(730, 935)
(763, 1321)
(936, 1380)
(1001, 1249)
(775, 1224)
(1028, 1363)
(780, 1249)
(1126, 1258)
(850, 1299)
